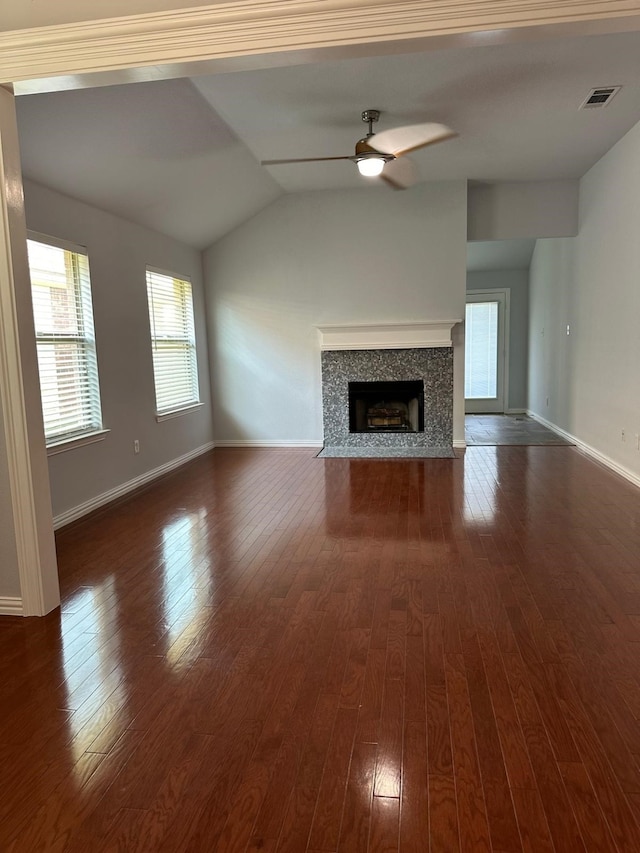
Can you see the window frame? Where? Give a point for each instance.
(59, 442)
(194, 401)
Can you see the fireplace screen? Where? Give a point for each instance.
(386, 406)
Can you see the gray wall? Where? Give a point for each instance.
(517, 282)
(319, 258)
(517, 209)
(118, 254)
(588, 382)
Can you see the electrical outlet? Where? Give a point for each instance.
(623, 436)
(136, 446)
(547, 401)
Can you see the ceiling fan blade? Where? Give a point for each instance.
(301, 160)
(400, 174)
(402, 140)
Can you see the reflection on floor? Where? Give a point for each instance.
(508, 429)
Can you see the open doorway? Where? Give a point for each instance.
(496, 346)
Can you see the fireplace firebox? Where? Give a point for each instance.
(386, 407)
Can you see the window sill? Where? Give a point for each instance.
(177, 413)
(78, 441)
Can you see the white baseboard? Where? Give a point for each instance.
(284, 445)
(459, 444)
(515, 411)
(106, 497)
(597, 455)
(10, 606)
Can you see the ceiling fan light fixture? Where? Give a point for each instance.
(371, 166)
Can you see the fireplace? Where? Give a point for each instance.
(386, 407)
(387, 388)
(414, 386)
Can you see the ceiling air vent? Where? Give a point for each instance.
(599, 97)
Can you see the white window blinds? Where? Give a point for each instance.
(173, 340)
(63, 317)
(481, 351)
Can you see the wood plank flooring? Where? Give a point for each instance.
(266, 651)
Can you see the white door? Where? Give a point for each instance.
(484, 351)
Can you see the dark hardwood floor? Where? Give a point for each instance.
(266, 651)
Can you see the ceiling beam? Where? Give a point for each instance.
(256, 33)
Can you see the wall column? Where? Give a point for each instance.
(29, 558)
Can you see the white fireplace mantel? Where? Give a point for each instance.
(387, 336)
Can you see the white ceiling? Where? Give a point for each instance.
(154, 153)
(182, 156)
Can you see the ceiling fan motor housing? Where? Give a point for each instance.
(364, 147)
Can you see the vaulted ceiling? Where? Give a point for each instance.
(182, 156)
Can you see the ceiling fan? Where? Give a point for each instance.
(378, 154)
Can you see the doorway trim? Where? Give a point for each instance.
(241, 33)
(21, 419)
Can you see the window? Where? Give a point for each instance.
(481, 350)
(173, 340)
(65, 340)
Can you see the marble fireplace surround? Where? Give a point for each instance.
(386, 353)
